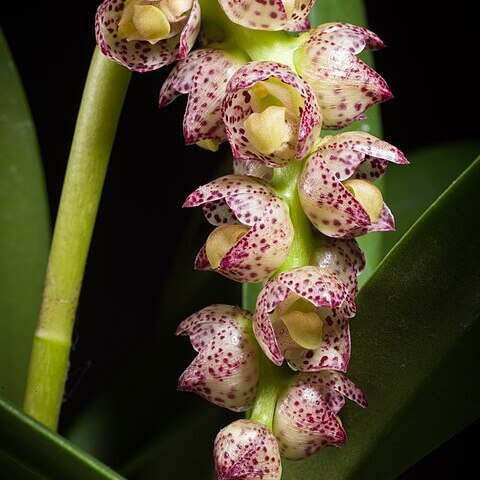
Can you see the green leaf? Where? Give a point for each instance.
(30, 451)
(24, 230)
(432, 169)
(415, 344)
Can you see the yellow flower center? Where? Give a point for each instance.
(368, 195)
(153, 22)
(272, 127)
(304, 325)
(221, 240)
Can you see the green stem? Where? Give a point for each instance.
(97, 121)
(284, 183)
(272, 382)
(258, 44)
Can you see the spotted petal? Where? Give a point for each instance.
(325, 292)
(140, 55)
(345, 87)
(204, 75)
(252, 203)
(342, 257)
(268, 15)
(247, 450)
(305, 417)
(226, 369)
(331, 207)
(237, 108)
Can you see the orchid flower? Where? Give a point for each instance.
(288, 15)
(344, 86)
(144, 35)
(247, 450)
(253, 231)
(302, 316)
(334, 190)
(270, 114)
(203, 75)
(306, 414)
(343, 258)
(226, 369)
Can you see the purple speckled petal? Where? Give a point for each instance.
(334, 305)
(247, 450)
(386, 223)
(342, 257)
(204, 324)
(226, 369)
(236, 109)
(201, 261)
(180, 79)
(263, 15)
(304, 422)
(345, 87)
(139, 55)
(305, 417)
(333, 353)
(249, 201)
(204, 75)
(253, 169)
(301, 26)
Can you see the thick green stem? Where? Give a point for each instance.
(100, 109)
(258, 44)
(284, 183)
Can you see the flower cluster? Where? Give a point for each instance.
(288, 216)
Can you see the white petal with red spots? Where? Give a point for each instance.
(268, 14)
(204, 75)
(333, 305)
(328, 204)
(237, 108)
(247, 450)
(345, 87)
(140, 55)
(251, 202)
(226, 369)
(306, 414)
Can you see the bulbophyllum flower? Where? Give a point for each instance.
(253, 231)
(203, 75)
(226, 369)
(272, 15)
(336, 189)
(345, 86)
(306, 413)
(270, 114)
(302, 315)
(144, 35)
(342, 257)
(247, 450)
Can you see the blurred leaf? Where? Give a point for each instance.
(30, 451)
(416, 338)
(412, 189)
(24, 230)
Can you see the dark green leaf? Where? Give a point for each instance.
(30, 451)
(24, 230)
(415, 344)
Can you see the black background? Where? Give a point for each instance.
(427, 63)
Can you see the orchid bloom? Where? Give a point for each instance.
(253, 231)
(270, 114)
(342, 257)
(336, 189)
(144, 35)
(226, 369)
(203, 75)
(302, 316)
(344, 86)
(247, 450)
(306, 414)
(288, 15)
